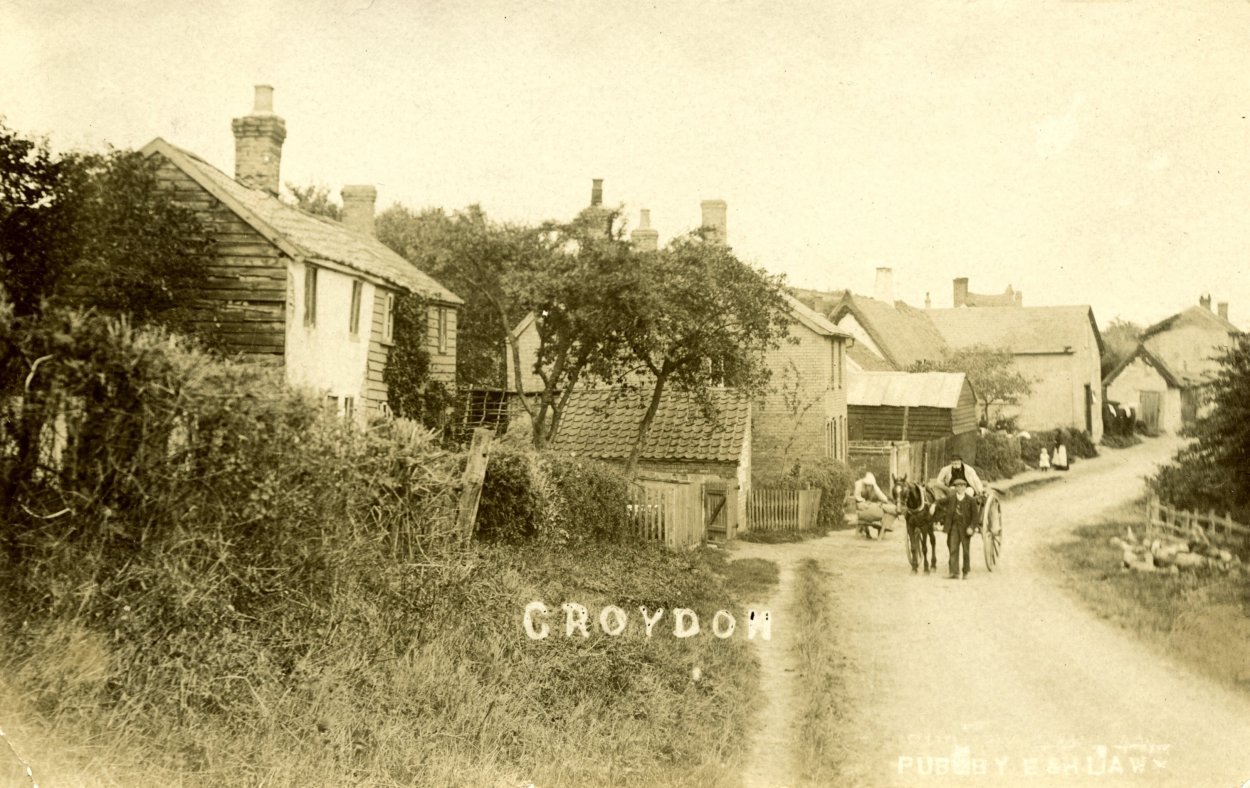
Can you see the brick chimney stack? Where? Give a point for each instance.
(258, 141)
(645, 239)
(884, 289)
(596, 192)
(358, 202)
(961, 292)
(1222, 308)
(1204, 301)
(714, 217)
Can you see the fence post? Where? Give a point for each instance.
(471, 482)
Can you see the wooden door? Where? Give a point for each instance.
(1151, 406)
(716, 512)
(1189, 406)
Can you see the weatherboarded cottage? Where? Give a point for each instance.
(311, 295)
(1163, 379)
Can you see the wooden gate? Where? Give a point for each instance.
(1151, 406)
(782, 510)
(716, 511)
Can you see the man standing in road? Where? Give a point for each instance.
(960, 518)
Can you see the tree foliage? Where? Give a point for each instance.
(991, 371)
(95, 230)
(1214, 470)
(411, 391)
(315, 199)
(694, 316)
(1120, 338)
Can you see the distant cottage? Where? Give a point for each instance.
(1164, 377)
(306, 293)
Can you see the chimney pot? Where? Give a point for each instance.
(263, 103)
(596, 192)
(1222, 307)
(1204, 301)
(715, 217)
(644, 238)
(258, 139)
(358, 206)
(884, 289)
(961, 292)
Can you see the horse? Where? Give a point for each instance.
(915, 501)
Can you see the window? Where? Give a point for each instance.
(349, 407)
(354, 321)
(310, 296)
(388, 319)
(442, 330)
(332, 403)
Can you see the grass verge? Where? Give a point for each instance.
(1200, 617)
(462, 697)
(815, 757)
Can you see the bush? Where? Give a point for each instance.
(998, 456)
(1080, 444)
(529, 494)
(1119, 441)
(833, 477)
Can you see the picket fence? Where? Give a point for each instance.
(667, 512)
(782, 510)
(1187, 525)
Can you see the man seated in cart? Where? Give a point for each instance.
(958, 470)
(871, 505)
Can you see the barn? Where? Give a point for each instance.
(910, 422)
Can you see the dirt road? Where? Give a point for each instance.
(1002, 678)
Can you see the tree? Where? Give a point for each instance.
(315, 199)
(95, 231)
(695, 316)
(1214, 470)
(991, 371)
(1119, 339)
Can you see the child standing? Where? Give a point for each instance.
(1043, 460)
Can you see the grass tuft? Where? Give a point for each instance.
(815, 757)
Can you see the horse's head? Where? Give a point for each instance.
(908, 495)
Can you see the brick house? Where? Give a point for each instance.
(308, 294)
(1163, 379)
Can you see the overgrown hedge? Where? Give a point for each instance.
(998, 456)
(833, 477)
(529, 494)
(1080, 445)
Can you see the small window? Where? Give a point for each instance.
(310, 296)
(442, 330)
(354, 321)
(349, 407)
(332, 404)
(388, 320)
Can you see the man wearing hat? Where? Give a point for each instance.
(960, 519)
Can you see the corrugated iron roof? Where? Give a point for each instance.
(905, 389)
(315, 237)
(602, 423)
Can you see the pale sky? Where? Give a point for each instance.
(1085, 152)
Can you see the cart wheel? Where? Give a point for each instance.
(909, 547)
(992, 533)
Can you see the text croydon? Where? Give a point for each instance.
(613, 621)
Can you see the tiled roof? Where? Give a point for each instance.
(905, 389)
(904, 334)
(1024, 330)
(813, 319)
(602, 423)
(313, 237)
(866, 360)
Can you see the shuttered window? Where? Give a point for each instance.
(354, 320)
(310, 296)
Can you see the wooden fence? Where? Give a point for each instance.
(667, 512)
(1162, 519)
(782, 510)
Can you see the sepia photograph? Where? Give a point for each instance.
(564, 394)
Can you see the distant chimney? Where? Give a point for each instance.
(596, 192)
(258, 141)
(645, 239)
(1223, 309)
(714, 213)
(961, 292)
(928, 302)
(884, 290)
(1204, 301)
(358, 202)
